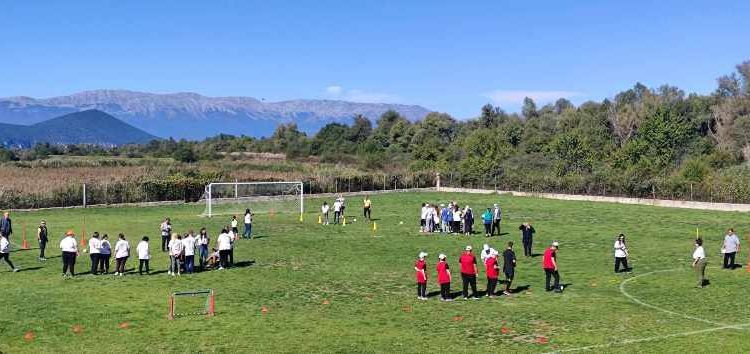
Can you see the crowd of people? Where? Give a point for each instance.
(339, 207)
(454, 219)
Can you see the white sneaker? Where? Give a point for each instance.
(169, 273)
(221, 268)
(16, 269)
(116, 273)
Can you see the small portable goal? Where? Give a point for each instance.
(191, 303)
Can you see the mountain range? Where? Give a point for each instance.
(86, 127)
(193, 116)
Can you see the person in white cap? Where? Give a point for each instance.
(491, 269)
(469, 273)
(444, 278)
(497, 215)
(485, 252)
(549, 263)
(420, 266)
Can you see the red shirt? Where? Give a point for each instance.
(468, 261)
(442, 270)
(490, 265)
(549, 254)
(421, 276)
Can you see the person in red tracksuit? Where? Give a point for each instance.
(469, 273)
(444, 278)
(492, 270)
(421, 267)
(549, 263)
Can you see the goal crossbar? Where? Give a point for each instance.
(298, 185)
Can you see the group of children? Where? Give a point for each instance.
(453, 219)
(339, 207)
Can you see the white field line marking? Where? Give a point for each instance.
(720, 327)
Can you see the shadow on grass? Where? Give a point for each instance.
(29, 269)
(243, 264)
(520, 289)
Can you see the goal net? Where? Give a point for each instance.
(191, 303)
(274, 198)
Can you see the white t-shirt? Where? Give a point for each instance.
(225, 242)
(176, 247)
(143, 250)
(234, 222)
(457, 215)
(189, 243)
(325, 208)
(122, 249)
(336, 206)
(105, 247)
(248, 218)
(423, 215)
(202, 240)
(95, 246)
(699, 253)
(165, 228)
(4, 245)
(620, 249)
(69, 244)
(731, 243)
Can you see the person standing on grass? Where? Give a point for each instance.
(423, 218)
(420, 266)
(233, 243)
(122, 252)
(367, 208)
(189, 243)
(69, 248)
(235, 225)
(699, 263)
(549, 264)
(487, 220)
(203, 242)
(336, 212)
(468, 216)
(621, 254)
(444, 278)
(94, 252)
(446, 218)
(509, 267)
(497, 217)
(491, 269)
(43, 237)
(469, 273)
(5, 252)
(166, 230)
(435, 218)
(6, 226)
(729, 248)
(143, 255)
(485, 252)
(342, 201)
(105, 252)
(175, 252)
(225, 245)
(527, 237)
(248, 224)
(457, 217)
(324, 210)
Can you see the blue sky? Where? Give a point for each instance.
(450, 56)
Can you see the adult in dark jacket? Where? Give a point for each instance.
(6, 227)
(43, 238)
(527, 236)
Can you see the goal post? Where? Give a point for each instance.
(192, 303)
(233, 198)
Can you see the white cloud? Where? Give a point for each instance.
(356, 95)
(515, 97)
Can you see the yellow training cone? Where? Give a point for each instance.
(320, 219)
(374, 226)
(343, 219)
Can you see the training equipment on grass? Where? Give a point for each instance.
(191, 303)
(233, 198)
(24, 243)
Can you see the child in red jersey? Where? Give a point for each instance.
(421, 267)
(492, 270)
(444, 278)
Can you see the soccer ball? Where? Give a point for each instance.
(355, 219)
(401, 223)
(85, 251)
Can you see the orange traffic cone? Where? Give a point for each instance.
(24, 243)
(83, 241)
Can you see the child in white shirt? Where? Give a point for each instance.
(143, 255)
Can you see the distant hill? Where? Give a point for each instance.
(192, 116)
(86, 127)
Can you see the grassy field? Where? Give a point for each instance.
(339, 289)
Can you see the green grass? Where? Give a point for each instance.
(368, 283)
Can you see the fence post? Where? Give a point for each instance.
(691, 191)
(84, 195)
(437, 182)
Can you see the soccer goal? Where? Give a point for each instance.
(191, 303)
(233, 198)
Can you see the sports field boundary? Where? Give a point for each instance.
(666, 203)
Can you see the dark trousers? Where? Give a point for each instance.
(231, 257)
(445, 291)
(69, 262)
(248, 231)
(729, 260)
(509, 275)
(367, 213)
(104, 263)
(491, 285)
(527, 242)
(164, 243)
(495, 227)
(469, 280)
(224, 258)
(488, 229)
(421, 289)
(120, 264)
(189, 264)
(42, 246)
(142, 263)
(548, 273)
(623, 261)
(456, 226)
(94, 262)
(203, 255)
(6, 257)
(336, 217)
